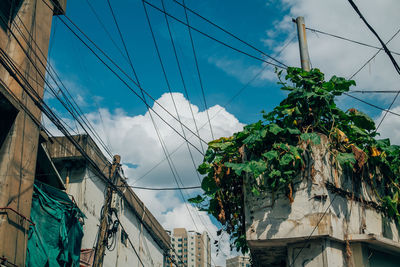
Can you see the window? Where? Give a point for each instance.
(8, 10)
(180, 245)
(179, 239)
(124, 238)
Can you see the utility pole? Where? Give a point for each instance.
(301, 33)
(103, 230)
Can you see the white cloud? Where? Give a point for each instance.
(134, 138)
(338, 57)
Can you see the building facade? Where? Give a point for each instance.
(23, 56)
(137, 238)
(334, 220)
(238, 261)
(190, 248)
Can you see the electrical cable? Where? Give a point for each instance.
(375, 91)
(167, 81)
(71, 106)
(123, 81)
(105, 28)
(384, 116)
(396, 66)
(229, 33)
(47, 111)
(347, 39)
(226, 104)
(137, 80)
(163, 188)
(198, 71)
(171, 164)
(373, 56)
(372, 105)
(213, 38)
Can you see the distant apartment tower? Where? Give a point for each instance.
(191, 248)
(238, 261)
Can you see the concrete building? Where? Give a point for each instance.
(238, 261)
(334, 220)
(135, 225)
(192, 249)
(20, 131)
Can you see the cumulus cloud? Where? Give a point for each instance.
(135, 139)
(334, 56)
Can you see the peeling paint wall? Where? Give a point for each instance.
(337, 205)
(88, 191)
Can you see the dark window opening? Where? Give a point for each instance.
(8, 113)
(8, 11)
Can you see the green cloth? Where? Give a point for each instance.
(56, 238)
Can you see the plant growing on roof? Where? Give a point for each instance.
(273, 149)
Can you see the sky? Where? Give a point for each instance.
(123, 122)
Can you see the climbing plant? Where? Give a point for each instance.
(274, 149)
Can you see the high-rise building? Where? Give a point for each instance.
(238, 261)
(191, 249)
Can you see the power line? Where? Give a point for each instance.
(47, 111)
(170, 161)
(183, 83)
(105, 28)
(49, 67)
(42, 76)
(375, 91)
(347, 39)
(229, 33)
(369, 60)
(128, 76)
(162, 188)
(384, 116)
(131, 89)
(396, 66)
(226, 104)
(372, 105)
(198, 70)
(213, 38)
(164, 148)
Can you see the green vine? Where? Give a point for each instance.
(272, 149)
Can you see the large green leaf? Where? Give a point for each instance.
(362, 120)
(286, 159)
(270, 155)
(275, 129)
(208, 185)
(204, 168)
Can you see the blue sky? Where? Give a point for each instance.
(247, 20)
(126, 127)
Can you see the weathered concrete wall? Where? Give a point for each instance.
(19, 149)
(339, 206)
